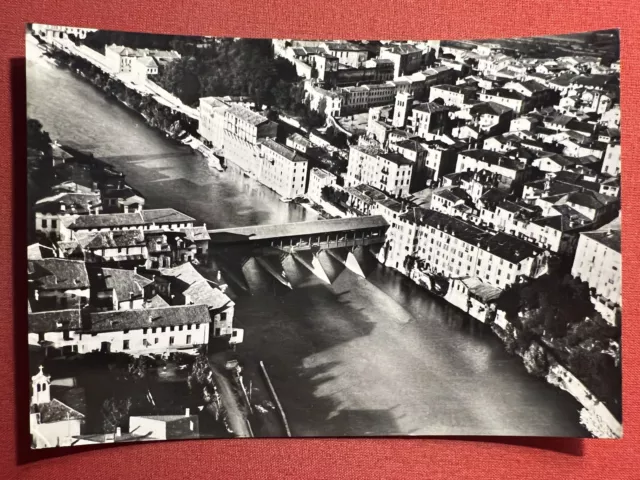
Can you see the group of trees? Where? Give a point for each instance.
(336, 197)
(556, 311)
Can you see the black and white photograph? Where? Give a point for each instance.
(239, 237)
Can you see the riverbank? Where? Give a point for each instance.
(594, 416)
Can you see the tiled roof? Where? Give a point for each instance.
(117, 239)
(609, 238)
(188, 281)
(165, 215)
(396, 158)
(74, 203)
(246, 115)
(58, 274)
(509, 248)
(284, 151)
(54, 321)
(56, 411)
(124, 282)
(148, 317)
(196, 234)
(107, 220)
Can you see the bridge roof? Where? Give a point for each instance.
(263, 232)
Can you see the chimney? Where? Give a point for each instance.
(187, 412)
(204, 225)
(118, 432)
(219, 276)
(36, 295)
(135, 269)
(63, 207)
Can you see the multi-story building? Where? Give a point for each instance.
(388, 172)
(50, 212)
(57, 284)
(406, 58)
(611, 163)
(510, 170)
(428, 119)
(282, 169)
(318, 179)
(243, 132)
(456, 95)
(598, 262)
(348, 53)
(211, 124)
(512, 99)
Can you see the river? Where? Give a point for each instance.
(362, 356)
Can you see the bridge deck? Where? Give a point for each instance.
(317, 227)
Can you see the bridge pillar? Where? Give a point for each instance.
(311, 262)
(348, 259)
(275, 269)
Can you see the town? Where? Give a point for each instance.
(487, 173)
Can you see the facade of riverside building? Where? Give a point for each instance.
(243, 131)
(389, 172)
(449, 246)
(282, 169)
(598, 262)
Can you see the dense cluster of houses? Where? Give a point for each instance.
(486, 163)
(108, 275)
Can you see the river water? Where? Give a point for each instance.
(360, 356)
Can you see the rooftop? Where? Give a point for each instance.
(246, 115)
(58, 274)
(609, 238)
(123, 282)
(284, 151)
(509, 248)
(54, 321)
(56, 411)
(148, 317)
(190, 283)
(107, 220)
(117, 239)
(262, 232)
(395, 158)
(165, 215)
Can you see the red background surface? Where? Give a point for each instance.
(314, 458)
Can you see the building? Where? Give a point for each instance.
(243, 132)
(512, 99)
(611, 163)
(120, 58)
(282, 169)
(429, 119)
(318, 179)
(165, 427)
(455, 95)
(146, 330)
(598, 262)
(113, 247)
(51, 211)
(55, 332)
(211, 124)
(142, 67)
(440, 160)
(118, 289)
(348, 53)
(57, 284)
(389, 172)
(406, 58)
(52, 423)
(183, 285)
(510, 170)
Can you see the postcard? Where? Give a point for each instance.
(236, 237)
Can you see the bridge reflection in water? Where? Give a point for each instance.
(260, 250)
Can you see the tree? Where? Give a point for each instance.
(37, 137)
(114, 411)
(200, 378)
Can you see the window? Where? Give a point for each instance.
(66, 335)
(125, 345)
(144, 330)
(217, 332)
(41, 337)
(172, 328)
(125, 331)
(164, 329)
(156, 340)
(223, 316)
(44, 223)
(38, 387)
(153, 330)
(171, 340)
(188, 338)
(54, 223)
(44, 387)
(198, 326)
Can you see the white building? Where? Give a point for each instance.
(165, 427)
(243, 131)
(51, 422)
(388, 172)
(611, 163)
(51, 211)
(318, 179)
(211, 125)
(282, 169)
(598, 262)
